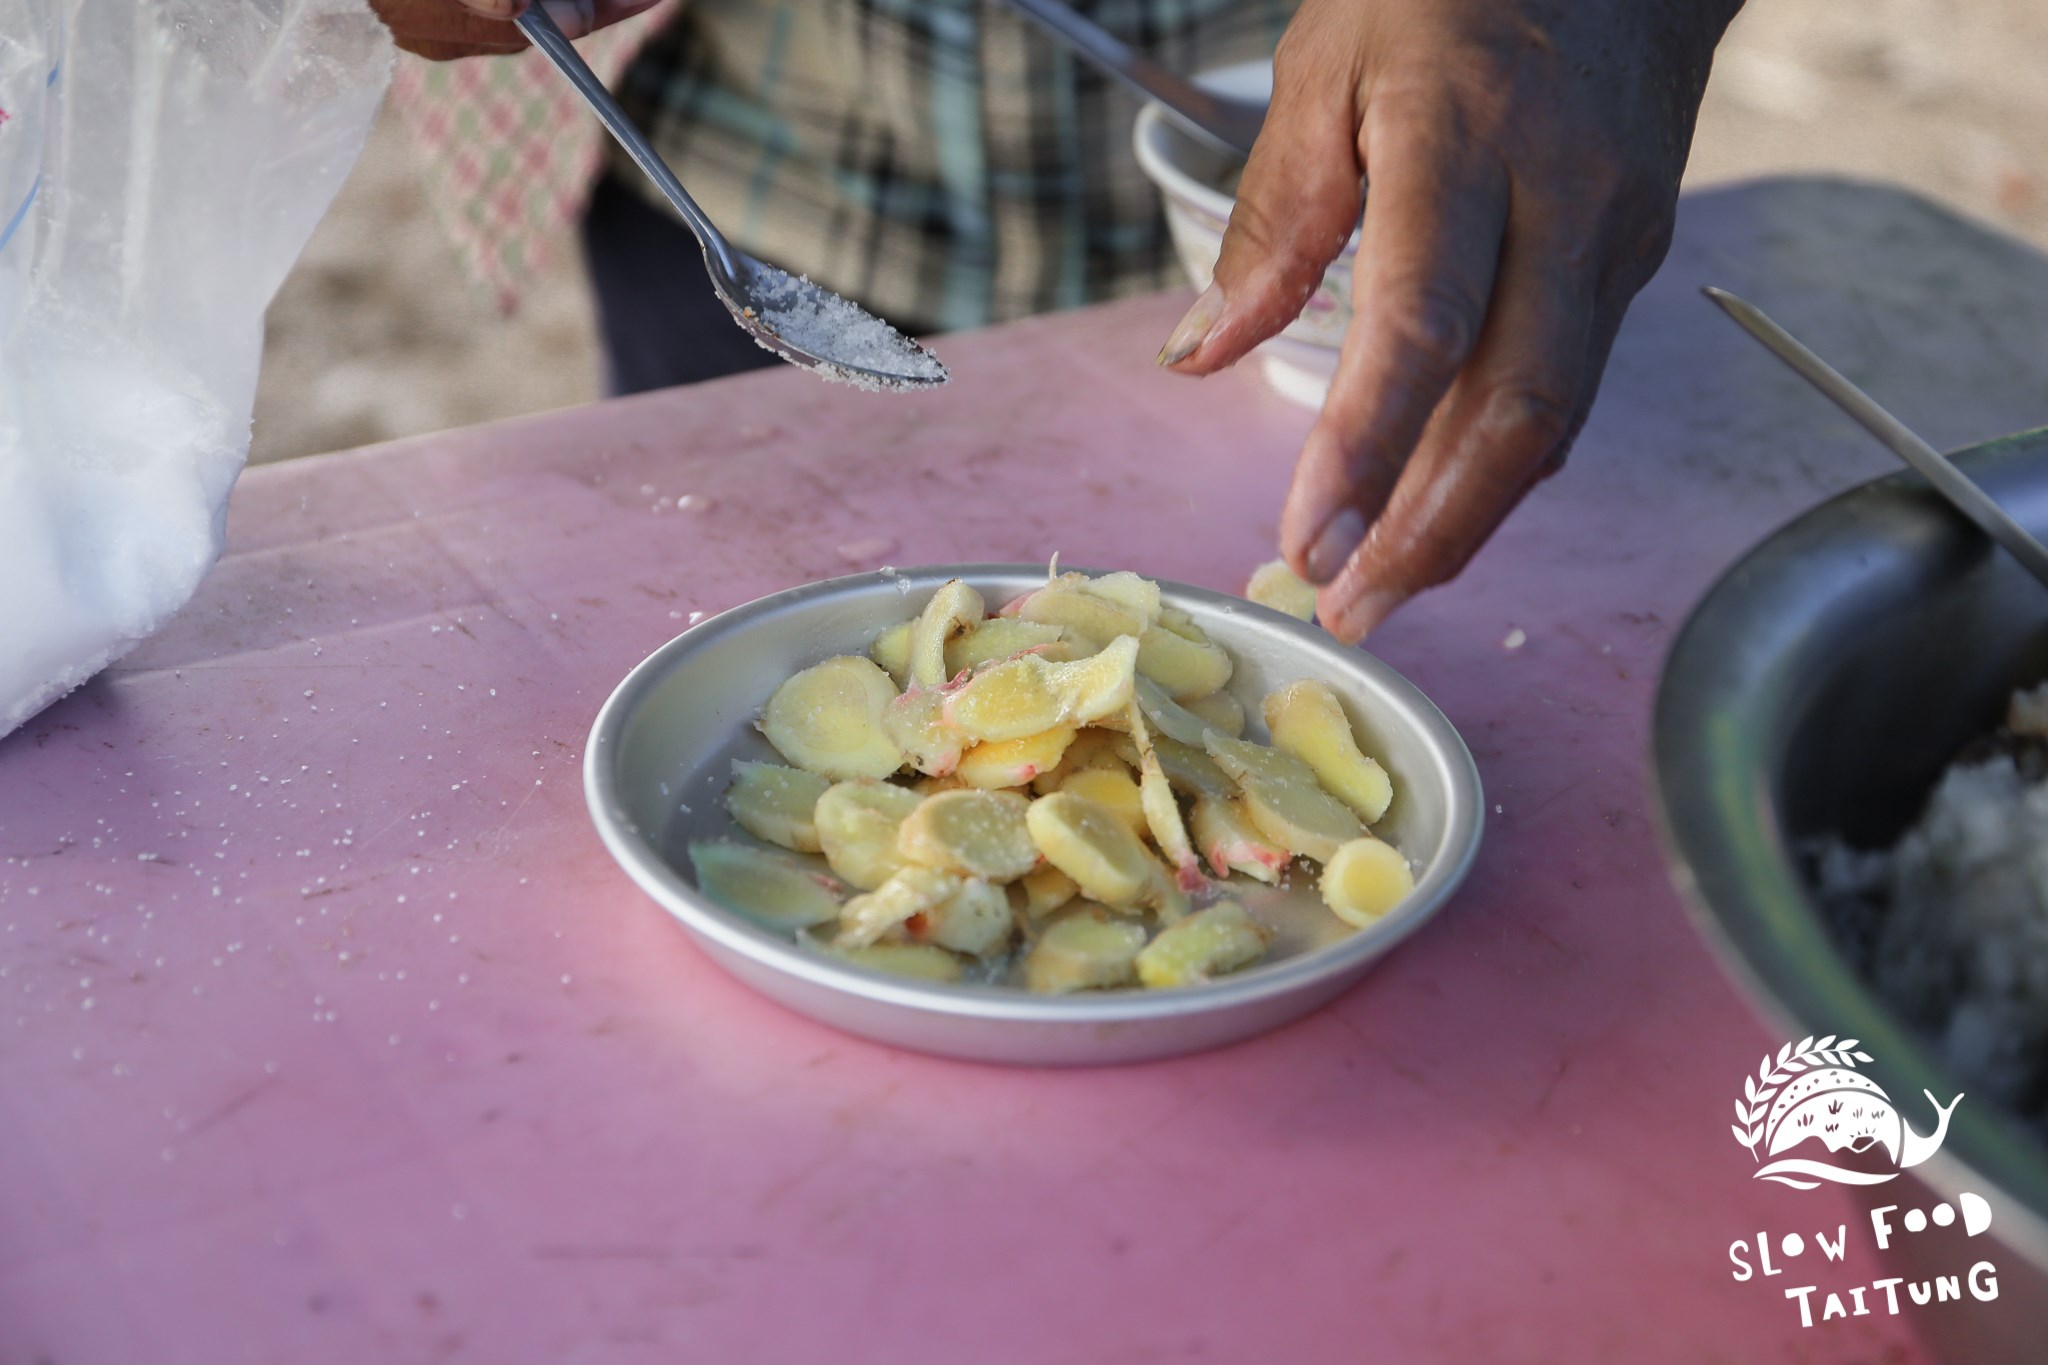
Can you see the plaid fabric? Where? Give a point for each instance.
(509, 150)
(942, 161)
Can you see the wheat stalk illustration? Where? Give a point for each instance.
(1759, 1090)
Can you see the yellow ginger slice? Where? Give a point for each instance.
(1162, 809)
(910, 891)
(828, 719)
(975, 920)
(1219, 711)
(1208, 943)
(955, 607)
(1113, 790)
(996, 639)
(891, 650)
(917, 961)
(932, 786)
(1232, 843)
(1014, 762)
(775, 889)
(1086, 949)
(1090, 844)
(1136, 594)
(1275, 585)
(776, 803)
(1168, 716)
(1066, 602)
(1045, 889)
(1283, 799)
(1093, 747)
(1364, 879)
(1027, 695)
(1308, 721)
(1192, 771)
(916, 724)
(857, 823)
(971, 834)
(1184, 667)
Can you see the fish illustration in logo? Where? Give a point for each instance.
(1811, 1092)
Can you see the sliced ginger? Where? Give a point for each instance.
(1283, 798)
(916, 724)
(1069, 603)
(768, 886)
(1088, 948)
(1094, 847)
(1219, 711)
(1308, 721)
(1028, 695)
(1232, 843)
(1045, 889)
(955, 607)
(1162, 809)
(1275, 585)
(1184, 667)
(1208, 943)
(1364, 879)
(857, 823)
(975, 920)
(1168, 716)
(909, 891)
(1192, 771)
(1113, 790)
(996, 639)
(891, 651)
(1015, 762)
(971, 834)
(918, 961)
(776, 803)
(828, 719)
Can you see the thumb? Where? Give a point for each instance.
(1297, 204)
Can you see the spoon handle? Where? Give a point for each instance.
(555, 46)
(1231, 124)
(1961, 491)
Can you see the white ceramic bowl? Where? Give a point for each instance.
(1301, 360)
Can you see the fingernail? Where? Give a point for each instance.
(1365, 613)
(1193, 329)
(1341, 535)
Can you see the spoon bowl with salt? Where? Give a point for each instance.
(806, 325)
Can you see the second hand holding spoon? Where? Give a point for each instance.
(804, 324)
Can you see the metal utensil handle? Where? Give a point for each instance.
(543, 34)
(1952, 483)
(1138, 72)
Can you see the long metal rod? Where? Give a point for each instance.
(1961, 491)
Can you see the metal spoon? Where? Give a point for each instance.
(797, 320)
(1229, 124)
(1949, 481)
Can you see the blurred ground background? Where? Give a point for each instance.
(375, 335)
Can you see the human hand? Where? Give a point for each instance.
(440, 30)
(1524, 158)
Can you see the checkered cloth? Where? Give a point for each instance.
(942, 161)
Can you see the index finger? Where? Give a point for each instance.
(1434, 218)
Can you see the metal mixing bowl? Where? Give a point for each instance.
(1821, 688)
(660, 757)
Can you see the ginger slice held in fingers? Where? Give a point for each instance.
(776, 803)
(773, 888)
(1087, 948)
(1364, 879)
(1275, 585)
(1308, 721)
(828, 719)
(857, 823)
(1208, 943)
(971, 833)
(1283, 798)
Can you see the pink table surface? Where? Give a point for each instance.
(329, 1033)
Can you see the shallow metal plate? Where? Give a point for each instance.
(660, 756)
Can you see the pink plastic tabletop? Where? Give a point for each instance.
(328, 1032)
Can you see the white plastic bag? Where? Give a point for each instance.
(162, 163)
